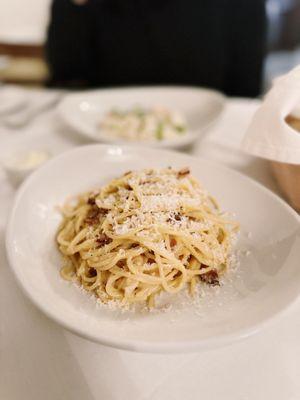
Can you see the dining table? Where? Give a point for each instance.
(41, 360)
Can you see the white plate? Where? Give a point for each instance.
(201, 107)
(267, 281)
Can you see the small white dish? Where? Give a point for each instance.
(83, 112)
(12, 100)
(19, 165)
(265, 284)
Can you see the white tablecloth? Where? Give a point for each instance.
(40, 360)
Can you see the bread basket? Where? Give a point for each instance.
(288, 175)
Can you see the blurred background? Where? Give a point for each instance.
(24, 28)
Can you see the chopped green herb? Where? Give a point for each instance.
(139, 112)
(180, 128)
(160, 131)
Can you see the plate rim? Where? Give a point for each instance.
(133, 344)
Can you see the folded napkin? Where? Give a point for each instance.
(269, 135)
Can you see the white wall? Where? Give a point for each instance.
(23, 21)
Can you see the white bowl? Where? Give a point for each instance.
(19, 165)
(83, 112)
(12, 99)
(266, 283)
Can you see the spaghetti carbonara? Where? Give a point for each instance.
(146, 232)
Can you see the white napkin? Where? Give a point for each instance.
(268, 135)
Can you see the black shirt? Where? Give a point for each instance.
(213, 43)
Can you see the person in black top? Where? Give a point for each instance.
(214, 43)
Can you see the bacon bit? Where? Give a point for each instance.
(102, 240)
(102, 211)
(127, 173)
(173, 242)
(210, 277)
(151, 261)
(127, 187)
(183, 172)
(91, 201)
(93, 216)
(91, 272)
(203, 266)
(177, 217)
(121, 263)
(134, 245)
